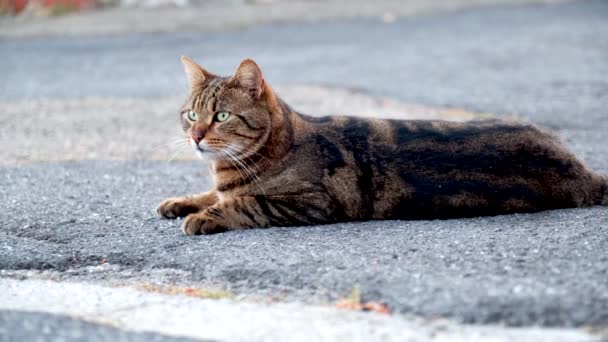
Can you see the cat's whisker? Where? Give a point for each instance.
(253, 170)
(174, 155)
(171, 144)
(180, 150)
(240, 166)
(251, 173)
(222, 153)
(234, 152)
(245, 150)
(253, 167)
(233, 160)
(178, 141)
(237, 151)
(179, 145)
(254, 177)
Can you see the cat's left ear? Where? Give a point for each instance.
(249, 76)
(195, 73)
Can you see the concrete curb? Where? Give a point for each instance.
(130, 309)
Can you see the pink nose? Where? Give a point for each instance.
(197, 137)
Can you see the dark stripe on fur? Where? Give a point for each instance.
(247, 123)
(244, 136)
(267, 212)
(213, 212)
(230, 167)
(331, 154)
(245, 211)
(284, 212)
(356, 133)
(234, 183)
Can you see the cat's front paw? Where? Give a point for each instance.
(176, 207)
(200, 223)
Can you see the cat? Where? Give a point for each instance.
(273, 166)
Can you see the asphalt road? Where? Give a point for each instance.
(546, 64)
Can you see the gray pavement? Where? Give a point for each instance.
(547, 268)
(545, 64)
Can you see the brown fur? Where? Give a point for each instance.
(289, 169)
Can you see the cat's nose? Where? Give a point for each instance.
(197, 137)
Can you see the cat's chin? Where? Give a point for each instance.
(206, 154)
(200, 154)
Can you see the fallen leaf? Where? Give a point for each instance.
(353, 302)
(377, 307)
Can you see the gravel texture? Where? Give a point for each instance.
(548, 268)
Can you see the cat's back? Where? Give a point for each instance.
(418, 168)
(398, 137)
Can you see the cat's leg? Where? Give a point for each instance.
(183, 206)
(236, 213)
(259, 212)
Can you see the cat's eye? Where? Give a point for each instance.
(221, 116)
(192, 115)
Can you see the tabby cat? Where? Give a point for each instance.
(273, 166)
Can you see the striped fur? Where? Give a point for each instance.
(275, 167)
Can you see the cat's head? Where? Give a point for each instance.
(227, 117)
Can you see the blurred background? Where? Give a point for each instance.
(455, 59)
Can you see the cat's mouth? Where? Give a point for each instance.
(204, 154)
(204, 149)
(200, 146)
(216, 150)
(200, 151)
(207, 152)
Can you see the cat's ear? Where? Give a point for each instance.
(195, 73)
(249, 76)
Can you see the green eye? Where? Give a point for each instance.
(192, 115)
(222, 116)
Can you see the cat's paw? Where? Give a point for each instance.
(176, 207)
(200, 223)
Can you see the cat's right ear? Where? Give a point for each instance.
(195, 73)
